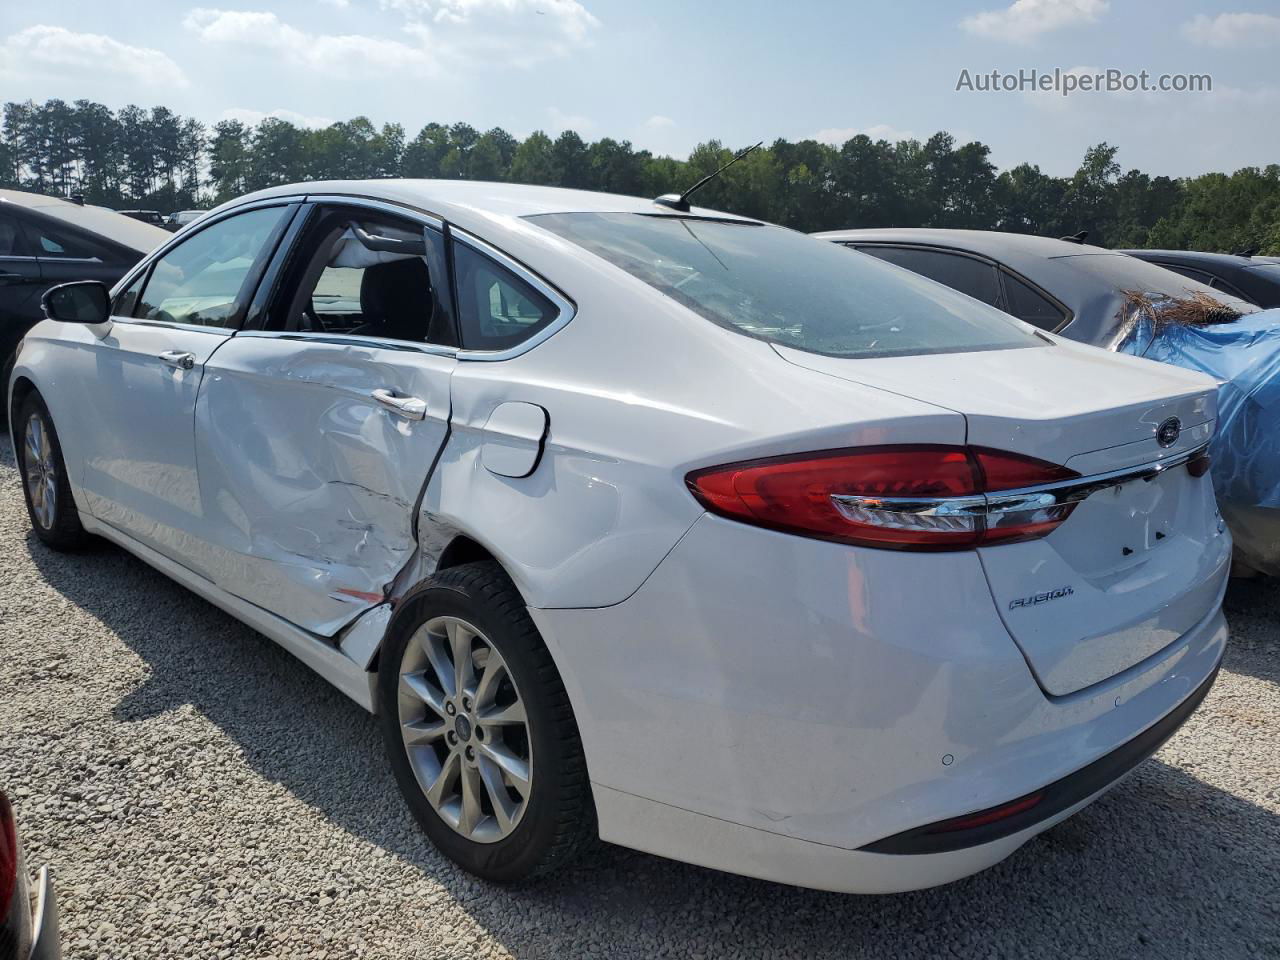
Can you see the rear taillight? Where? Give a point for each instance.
(8, 857)
(900, 497)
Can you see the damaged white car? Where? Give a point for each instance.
(650, 523)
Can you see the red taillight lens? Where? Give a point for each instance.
(8, 857)
(907, 498)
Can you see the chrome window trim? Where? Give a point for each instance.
(338, 339)
(566, 309)
(14, 256)
(383, 206)
(1003, 502)
(193, 327)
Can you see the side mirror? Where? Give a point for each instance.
(85, 301)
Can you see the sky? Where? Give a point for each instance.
(668, 74)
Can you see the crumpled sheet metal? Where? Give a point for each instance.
(1244, 356)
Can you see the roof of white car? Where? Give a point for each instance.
(108, 224)
(502, 199)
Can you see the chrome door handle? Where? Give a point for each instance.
(179, 359)
(411, 408)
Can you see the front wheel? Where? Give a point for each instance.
(479, 729)
(44, 478)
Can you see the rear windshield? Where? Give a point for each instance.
(1125, 273)
(788, 288)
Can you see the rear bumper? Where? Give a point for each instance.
(1033, 809)
(772, 706)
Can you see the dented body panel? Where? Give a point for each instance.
(307, 483)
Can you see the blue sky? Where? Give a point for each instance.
(668, 74)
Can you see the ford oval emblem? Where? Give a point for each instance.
(1168, 432)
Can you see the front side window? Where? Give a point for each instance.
(201, 281)
(778, 285)
(496, 309)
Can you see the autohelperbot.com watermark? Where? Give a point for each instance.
(1067, 82)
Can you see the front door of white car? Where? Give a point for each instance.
(139, 381)
(315, 434)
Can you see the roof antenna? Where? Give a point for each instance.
(680, 201)
(1080, 237)
(1248, 252)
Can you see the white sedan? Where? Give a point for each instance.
(669, 527)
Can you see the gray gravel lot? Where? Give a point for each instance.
(201, 794)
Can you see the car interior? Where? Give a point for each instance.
(352, 283)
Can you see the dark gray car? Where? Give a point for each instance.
(1256, 279)
(45, 241)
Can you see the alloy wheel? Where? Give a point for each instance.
(465, 729)
(41, 472)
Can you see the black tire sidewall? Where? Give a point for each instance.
(521, 854)
(66, 532)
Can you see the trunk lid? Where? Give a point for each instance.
(1135, 566)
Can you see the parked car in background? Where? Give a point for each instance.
(152, 217)
(649, 522)
(1119, 302)
(1255, 279)
(28, 919)
(176, 221)
(45, 241)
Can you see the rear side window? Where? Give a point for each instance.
(200, 280)
(1026, 303)
(57, 243)
(969, 275)
(12, 241)
(496, 309)
(782, 286)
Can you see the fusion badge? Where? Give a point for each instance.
(1038, 598)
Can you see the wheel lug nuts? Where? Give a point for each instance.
(451, 737)
(466, 704)
(450, 709)
(471, 753)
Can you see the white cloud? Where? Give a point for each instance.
(518, 33)
(339, 4)
(567, 121)
(837, 136)
(334, 53)
(658, 121)
(254, 117)
(57, 50)
(1234, 30)
(1024, 20)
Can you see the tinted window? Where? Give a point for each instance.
(56, 243)
(1025, 303)
(496, 309)
(1124, 273)
(966, 274)
(12, 241)
(783, 286)
(200, 280)
(1190, 272)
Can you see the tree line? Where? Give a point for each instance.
(156, 159)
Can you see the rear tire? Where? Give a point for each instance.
(50, 505)
(483, 745)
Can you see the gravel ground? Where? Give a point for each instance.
(201, 794)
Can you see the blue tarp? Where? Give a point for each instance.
(1244, 356)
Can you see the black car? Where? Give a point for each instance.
(1256, 279)
(28, 924)
(1061, 286)
(45, 241)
